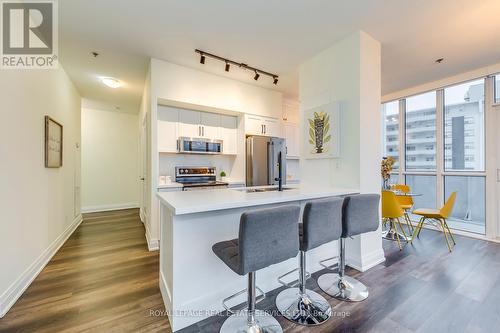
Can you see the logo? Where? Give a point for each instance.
(29, 34)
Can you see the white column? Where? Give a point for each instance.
(349, 72)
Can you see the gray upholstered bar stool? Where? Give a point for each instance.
(266, 237)
(322, 223)
(360, 215)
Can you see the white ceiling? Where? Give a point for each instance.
(274, 35)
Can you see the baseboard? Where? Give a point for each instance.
(367, 261)
(104, 208)
(153, 244)
(142, 216)
(16, 289)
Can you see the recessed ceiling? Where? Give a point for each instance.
(274, 35)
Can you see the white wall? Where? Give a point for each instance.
(182, 84)
(174, 85)
(40, 206)
(349, 72)
(110, 160)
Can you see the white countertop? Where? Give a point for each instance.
(190, 202)
(170, 185)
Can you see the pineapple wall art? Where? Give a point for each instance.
(322, 124)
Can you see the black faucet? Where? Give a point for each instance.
(280, 173)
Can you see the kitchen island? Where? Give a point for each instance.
(193, 281)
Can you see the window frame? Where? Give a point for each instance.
(440, 173)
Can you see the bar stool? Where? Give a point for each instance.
(266, 237)
(322, 223)
(360, 215)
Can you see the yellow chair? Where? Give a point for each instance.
(406, 202)
(391, 212)
(439, 215)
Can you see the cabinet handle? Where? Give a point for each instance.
(265, 129)
(202, 130)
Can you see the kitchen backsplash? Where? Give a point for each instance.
(168, 162)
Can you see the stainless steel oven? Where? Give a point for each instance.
(198, 178)
(199, 146)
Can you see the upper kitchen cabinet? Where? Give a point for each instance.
(209, 123)
(196, 124)
(228, 133)
(257, 125)
(168, 119)
(292, 140)
(291, 111)
(190, 124)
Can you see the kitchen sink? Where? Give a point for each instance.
(266, 189)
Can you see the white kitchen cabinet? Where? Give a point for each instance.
(189, 124)
(228, 133)
(292, 140)
(272, 127)
(210, 123)
(168, 119)
(256, 125)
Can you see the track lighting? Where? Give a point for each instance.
(243, 66)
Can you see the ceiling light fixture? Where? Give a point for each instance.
(110, 82)
(256, 77)
(229, 62)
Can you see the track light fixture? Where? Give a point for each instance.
(256, 77)
(258, 72)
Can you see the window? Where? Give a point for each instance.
(436, 166)
(425, 189)
(497, 88)
(464, 126)
(420, 131)
(390, 113)
(470, 206)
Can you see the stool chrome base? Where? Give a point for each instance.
(238, 323)
(349, 289)
(307, 309)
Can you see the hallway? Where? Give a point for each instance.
(103, 279)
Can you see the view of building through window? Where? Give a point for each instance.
(420, 132)
(464, 126)
(391, 131)
(463, 150)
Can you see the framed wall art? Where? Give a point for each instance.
(322, 126)
(53, 143)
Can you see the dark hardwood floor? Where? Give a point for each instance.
(422, 288)
(104, 279)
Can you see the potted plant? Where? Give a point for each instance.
(385, 171)
(223, 175)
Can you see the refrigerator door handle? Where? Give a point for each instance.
(270, 163)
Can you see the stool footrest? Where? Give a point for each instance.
(258, 299)
(330, 267)
(294, 283)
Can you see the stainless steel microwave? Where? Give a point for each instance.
(199, 146)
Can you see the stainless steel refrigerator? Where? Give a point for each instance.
(262, 160)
